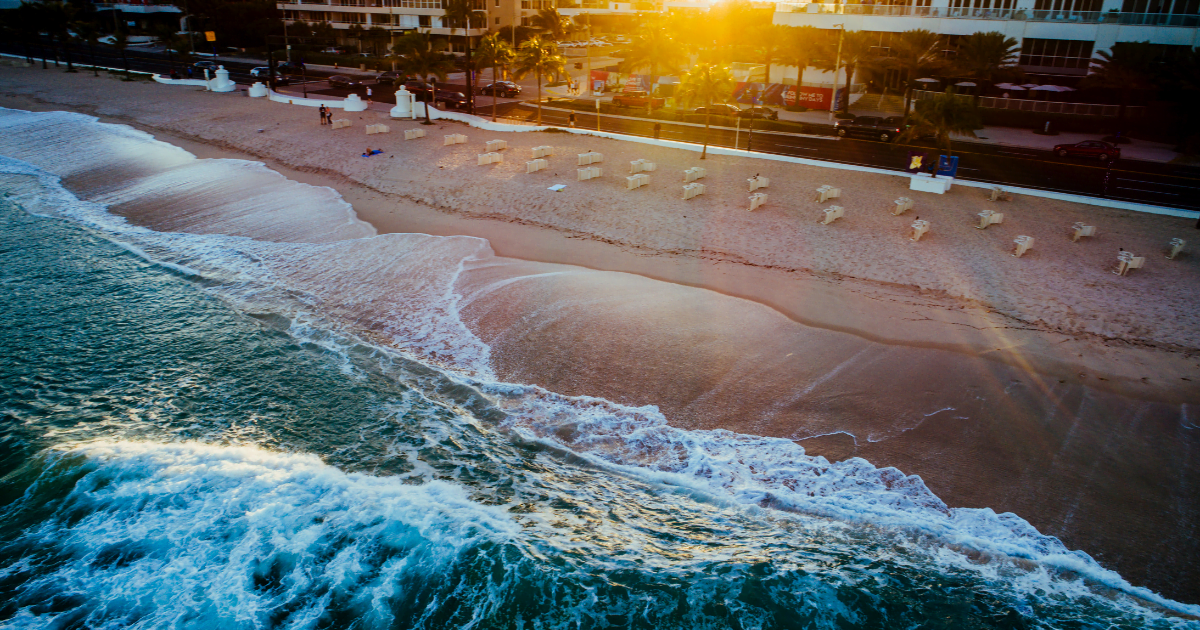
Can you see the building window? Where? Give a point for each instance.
(1056, 53)
(424, 21)
(497, 21)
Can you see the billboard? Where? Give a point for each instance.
(781, 95)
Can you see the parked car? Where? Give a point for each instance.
(450, 98)
(264, 73)
(344, 82)
(506, 89)
(204, 64)
(719, 109)
(874, 127)
(637, 98)
(391, 78)
(759, 111)
(1089, 148)
(334, 50)
(420, 88)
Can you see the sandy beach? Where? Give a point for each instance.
(1044, 385)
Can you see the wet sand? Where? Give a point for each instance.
(1044, 386)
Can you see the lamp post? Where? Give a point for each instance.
(837, 66)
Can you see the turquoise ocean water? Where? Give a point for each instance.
(206, 431)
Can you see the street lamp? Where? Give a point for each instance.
(837, 66)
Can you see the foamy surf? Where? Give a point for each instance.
(340, 295)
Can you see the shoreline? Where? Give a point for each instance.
(1009, 457)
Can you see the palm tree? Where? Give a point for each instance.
(461, 14)
(421, 58)
(653, 48)
(57, 22)
(88, 32)
(941, 116)
(357, 33)
(495, 51)
(541, 57)
(857, 48)
(553, 24)
(801, 48)
(1128, 66)
(121, 42)
(984, 56)
(915, 54)
(707, 82)
(771, 42)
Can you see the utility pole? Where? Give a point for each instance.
(837, 66)
(191, 33)
(287, 46)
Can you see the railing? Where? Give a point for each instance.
(1044, 107)
(1028, 15)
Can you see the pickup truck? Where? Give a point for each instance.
(636, 98)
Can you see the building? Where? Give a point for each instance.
(399, 16)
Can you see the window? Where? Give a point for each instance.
(424, 21)
(1056, 53)
(497, 21)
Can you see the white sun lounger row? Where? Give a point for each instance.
(692, 190)
(490, 158)
(903, 204)
(588, 172)
(380, 128)
(833, 213)
(637, 181)
(534, 166)
(591, 157)
(454, 138)
(640, 166)
(756, 200)
(827, 192)
(987, 217)
(694, 173)
(496, 145)
(341, 123)
(543, 151)
(757, 182)
(413, 134)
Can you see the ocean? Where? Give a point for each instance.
(204, 429)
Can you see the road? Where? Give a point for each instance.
(1155, 183)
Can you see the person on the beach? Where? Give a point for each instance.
(657, 129)
(323, 112)
(329, 115)
(368, 96)
(571, 119)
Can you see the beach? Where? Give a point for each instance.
(1045, 385)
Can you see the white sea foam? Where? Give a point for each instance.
(399, 290)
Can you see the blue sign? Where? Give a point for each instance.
(947, 165)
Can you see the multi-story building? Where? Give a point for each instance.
(1058, 38)
(397, 16)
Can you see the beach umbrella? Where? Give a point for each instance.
(1010, 86)
(1052, 88)
(964, 84)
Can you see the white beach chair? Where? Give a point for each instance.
(455, 138)
(1079, 230)
(694, 173)
(833, 213)
(591, 157)
(1127, 261)
(543, 151)
(379, 128)
(997, 194)
(1175, 247)
(341, 123)
(413, 134)
(1021, 244)
(903, 204)
(756, 200)
(586, 173)
(827, 192)
(919, 228)
(641, 166)
(496, 145)
(757, 182)
(637, 181)
(988, 217)
(534, 166)
(490, 158)
(692, 190)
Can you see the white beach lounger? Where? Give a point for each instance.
(637, 181)
(919, 228)
(833, 213)
(756, 200)
(413, 134)
(1127, 261)
(341, 123)
(692, 190)
(591, 157)
(1079, 230)
(1021, 244)
(988, 217)
(543, 151)
(455, 138)
(694, 173)
(380, 128)
(641, 166)
(757, 182)
(534, 166)
(903, 204)
(589, 172)
(490, 158)
(827, 192)
(496, 145)
(1175, 247)
(997, 194)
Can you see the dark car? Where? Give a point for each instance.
(1089, 148)
(420, 88)
(506, 89)
(874, 127)
(263, 73)
(289, 67)
(390, 78)
(203, 65)
(450, 98)
(759, 111)
(719, 109)
(637, 98)
(344, 82)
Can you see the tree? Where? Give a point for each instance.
(857, 48)
(801, 49)
(553, 24)
(462, 14)
(540, 57)
(495, 51)
(421, 58)
(915, 54)
(121, 42)
(941, 116)
(1128, 66)
(357, 33)
(324, 32)
(90, 35)
(167, 37)
(377, 35)
(770, 43)
(652, 47)
(707, 82)
(985, 56)
(56, 20)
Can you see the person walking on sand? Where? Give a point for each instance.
(571, 119)
(368, 96)
(329, 115)
(657, 129)
(322, 112)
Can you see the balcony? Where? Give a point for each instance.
(1022, 15)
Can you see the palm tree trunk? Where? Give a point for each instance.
(649, 91)
(539, 96)
(907, 100)
(67, 51)
(493, 94)
(429, 102)
(849, 77)
(704, 152)
(92, 54)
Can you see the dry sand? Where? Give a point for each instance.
(1081, 418)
